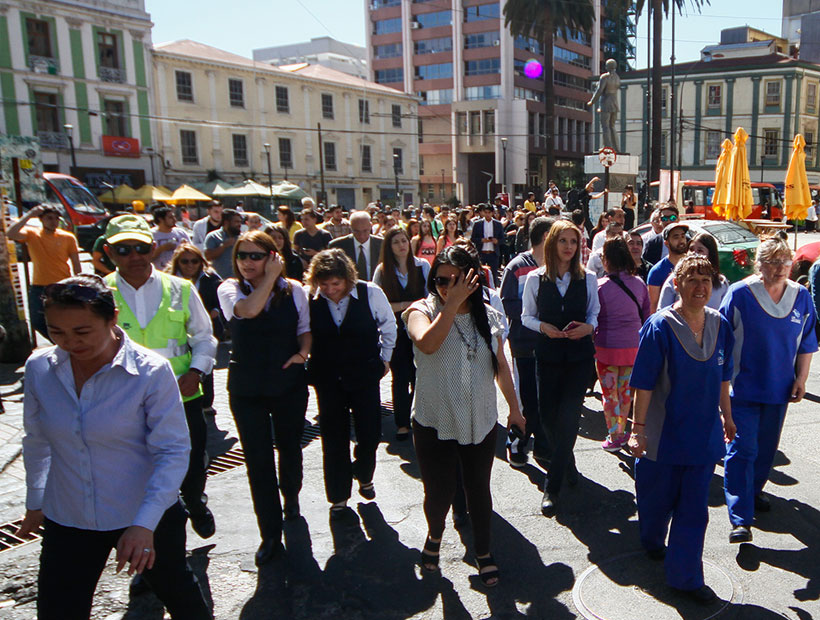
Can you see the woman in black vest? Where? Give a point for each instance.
(354, 333)
(560, 302)
(270, 328)
(401, 276)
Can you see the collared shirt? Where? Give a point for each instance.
(115, 455)
(488, 246)
(380, 310)
(229, 294)
(529, 312)
(366, 247)
(144, 303)
(337, 230)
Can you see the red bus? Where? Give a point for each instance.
(766, 199)
(74, 199)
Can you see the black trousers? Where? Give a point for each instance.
(208, 391)
(527, 383)
(404, 379)
(35, 310)
(492, 261)
(336, 404)
(253, 416)
(438, 462)
(561, 389)
(193, 486)
(73, 559)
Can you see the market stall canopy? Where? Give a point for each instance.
(150, 193)
(739, 200)
(246, 189)
(720, 199)
(209, 187)
(120, 195)
(288, 190)
(186, 193)
(797, 197)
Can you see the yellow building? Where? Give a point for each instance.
(218, 110)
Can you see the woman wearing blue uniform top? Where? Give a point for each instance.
(773, 320)
(681, 376)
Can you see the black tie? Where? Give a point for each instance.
(361, 265)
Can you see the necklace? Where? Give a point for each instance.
(472, 348)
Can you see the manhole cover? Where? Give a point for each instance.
(632, 586)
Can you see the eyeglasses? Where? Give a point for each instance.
(669, 218)
(139, 248)
(76, 292)
(777, 263)
(254, 256)
(441, 281)
(189, 261)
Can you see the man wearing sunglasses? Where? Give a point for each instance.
(655, 249)
(165, 314)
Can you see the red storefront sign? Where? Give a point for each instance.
(117, 146)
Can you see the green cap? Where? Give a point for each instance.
(128, 228)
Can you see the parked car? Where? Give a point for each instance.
(736, 245)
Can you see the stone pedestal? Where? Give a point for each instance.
(622, 173)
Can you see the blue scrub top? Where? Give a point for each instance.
(659, 272)
(768, 338)
(683, 425)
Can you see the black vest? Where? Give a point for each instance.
(348, 353)
(261, 346)
(560, 311)
(404, 346)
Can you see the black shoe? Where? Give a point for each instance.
(460, 519)
(762, 503)
(548, 503)
(291, 509)
(516, 459)
(740, 534)
(656, 554)
(338, 513)
(703, 595)
(367, 491)
(572, 477)
(202, 520)
(268, 550)
(402, 435)
(138, 586)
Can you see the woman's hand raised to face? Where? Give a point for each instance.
(273, 266)
(461, 287)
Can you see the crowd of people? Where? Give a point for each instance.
(693, 370)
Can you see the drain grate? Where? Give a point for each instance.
(8, 538)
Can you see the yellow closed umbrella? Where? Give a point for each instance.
(720, 198)
(797, 198)
(739, 192)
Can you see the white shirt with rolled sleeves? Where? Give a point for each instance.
(529, 311)
(112, 457)
(144, 303)
(230, 294)
(380, 310)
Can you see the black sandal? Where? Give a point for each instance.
(430, 555)
(485, 577)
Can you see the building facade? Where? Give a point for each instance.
(219, 110)
(324, 51)
(77, 77)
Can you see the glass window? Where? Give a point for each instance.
(771, 137)
(572, 58)
(570, 81)
(481, 39)
(712, 144)
(433, 72)
(386, 26)
(461, 123)
(489, 122)
(476, 93)
(364, 111)
(108, 50)
(773, 93)
(432, 20)
(286, 154)
(327, 105)
(330, 155)
(398, 160)
(526, 93)
(282, 101)
(714, 96)
(391, 50)
(482, 11)
(236, 93)
(482, 67)
(727, 233)
(185, 88)
(187, 142)
(436, 97)
(240, 150)
(579, 37)
(45, 109)
(811, 97)
(529, 44)
(395, 114)
(39, 37)
(380, 4)
(77, 196)
(387, 76)
(433, 46)
(115, 124)
(664, 135)
(475, 123)
(809, 148)
(367, 163)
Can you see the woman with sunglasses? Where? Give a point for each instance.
(354, 333)
(403, 278)
(98, 403)
(773, 320)
(270, 328)
(459, 352)
(294, 268)
(560, 303)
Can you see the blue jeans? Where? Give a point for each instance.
(35, 309)
(750, 455)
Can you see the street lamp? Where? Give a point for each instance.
(396, 176)
(69, 129)
(504, 176)
(270, 175)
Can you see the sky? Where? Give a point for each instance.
(265, 23)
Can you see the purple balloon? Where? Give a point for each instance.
(533, 69)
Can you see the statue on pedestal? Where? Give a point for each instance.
(609, 85)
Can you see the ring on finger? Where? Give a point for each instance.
(146, 550)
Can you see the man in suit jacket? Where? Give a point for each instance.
(362, 247)
(487, 236)
(655, 249)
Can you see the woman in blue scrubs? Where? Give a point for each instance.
(682, 417)
(773, 320)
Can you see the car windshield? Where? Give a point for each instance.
(78, 197)
(728, 233)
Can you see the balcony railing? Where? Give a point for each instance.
(53, 140)
(44, 64)
(110, 74)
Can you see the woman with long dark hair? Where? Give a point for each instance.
(560, 303)
(424, 244)
(459, 351)
(294, 269)
(448, 236)
(287, 218)
(270, 328)
(403, 278)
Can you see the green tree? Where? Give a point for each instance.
(542, 20)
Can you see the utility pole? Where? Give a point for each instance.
(504, 176)
(672, 125)
(69, 129)
(321, 163)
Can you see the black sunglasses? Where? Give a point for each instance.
(76, 292)
(189, 261)
(669, 218)
(125, 250)
(441, 281)
(254, 256)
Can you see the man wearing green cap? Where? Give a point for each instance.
(164, 313)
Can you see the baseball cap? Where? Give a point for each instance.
(668, 230)
(128, 228)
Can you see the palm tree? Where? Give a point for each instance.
(541, 20)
